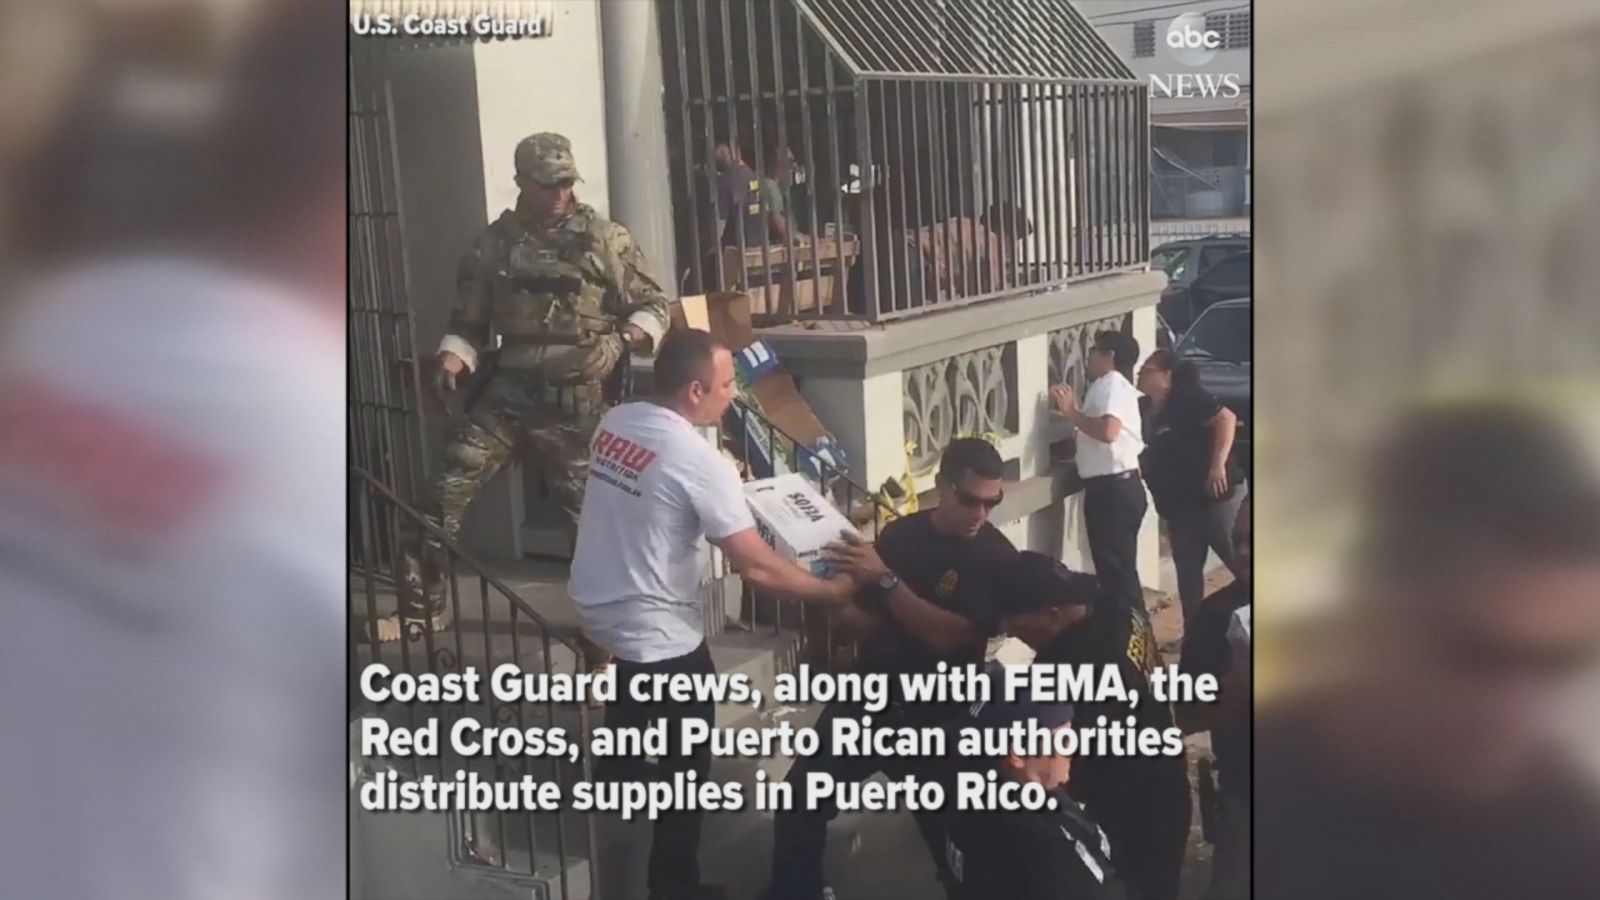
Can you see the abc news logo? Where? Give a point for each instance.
(1189, 85)
(1191, 43)
(1188, 37)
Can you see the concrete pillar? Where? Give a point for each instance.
(636, 132)
(1033, 404)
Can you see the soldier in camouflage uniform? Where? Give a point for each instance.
(567, 293)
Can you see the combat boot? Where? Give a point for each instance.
(420, 591)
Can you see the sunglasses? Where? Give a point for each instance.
(972, 501)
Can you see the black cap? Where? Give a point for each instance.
(1034, 581)
(999, 712)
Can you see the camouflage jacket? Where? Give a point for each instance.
(566, 288)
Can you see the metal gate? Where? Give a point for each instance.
(385, 398)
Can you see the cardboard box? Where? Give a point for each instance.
(691, 312)
(754, 362)
(783, 404)
(791, 439)
(765, 386)
(725, 314)
(796, 520)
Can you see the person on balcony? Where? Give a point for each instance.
(569, 295)
(966, 257)
(776, 198)
(737, 200)
(1108, 448)
(930, 599)
(658, 491)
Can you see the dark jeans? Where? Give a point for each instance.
(1195, 532)
(675, 842)
(1113, 508)
(800, 835)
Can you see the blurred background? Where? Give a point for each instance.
(172, 266)
(1428, 409)
(1427, 223)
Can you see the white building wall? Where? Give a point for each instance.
(550, 83)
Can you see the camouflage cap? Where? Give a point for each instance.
(546, 157)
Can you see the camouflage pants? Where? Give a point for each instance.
(553, 425)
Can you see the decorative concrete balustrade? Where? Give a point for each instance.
(969, 393)
(986, 369)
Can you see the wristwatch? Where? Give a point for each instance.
(877, 596)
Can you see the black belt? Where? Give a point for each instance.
(1117, 476)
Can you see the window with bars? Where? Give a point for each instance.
(859, 159)
(1144, 39)
(1234, 27)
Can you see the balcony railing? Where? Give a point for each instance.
(851, 159)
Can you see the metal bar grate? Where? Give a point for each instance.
(384, 407)
(1046, 39)
(945, 154)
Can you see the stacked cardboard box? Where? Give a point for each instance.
(766, 387)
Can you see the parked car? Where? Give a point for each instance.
(1181, 304)
(1183, 260)
(1219, 346)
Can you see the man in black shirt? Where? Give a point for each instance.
(1024, 854)
(934, 574)
(1436, 760)
(1208, 650)
(1141, 802)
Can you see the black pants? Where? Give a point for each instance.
(800, 835)
(675, 842)
(1113, 508)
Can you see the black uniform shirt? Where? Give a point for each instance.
(1120, 637)
(956, 573)
(1177, 454)
(1028, 855)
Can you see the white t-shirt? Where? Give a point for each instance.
(1111, 395)
(657, 490)
(172, 587)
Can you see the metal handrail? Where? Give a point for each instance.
(476, 568)
(839, 475)
(485, 842)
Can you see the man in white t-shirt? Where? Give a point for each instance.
(657, 492)
(1109, 443)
